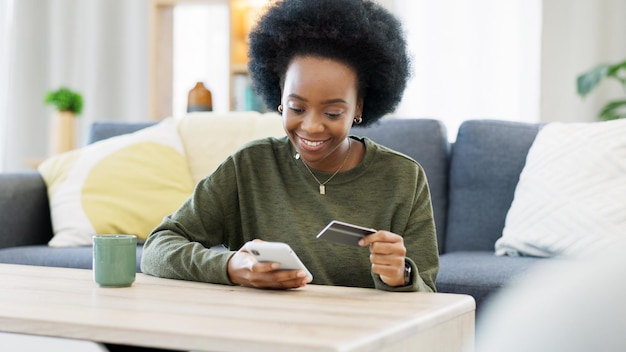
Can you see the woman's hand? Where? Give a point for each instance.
(387, 255)
(245, 270)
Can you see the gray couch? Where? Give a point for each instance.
(472, 183)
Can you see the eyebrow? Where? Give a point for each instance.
(329, 101)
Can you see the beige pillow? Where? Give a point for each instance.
(209, 138)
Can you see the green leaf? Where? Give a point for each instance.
(614, 110)
(618, 71)
(587, 81)
(65, 99)
(614, 69)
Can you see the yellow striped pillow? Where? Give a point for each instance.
(125, 184)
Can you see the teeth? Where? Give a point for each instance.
(311, 143)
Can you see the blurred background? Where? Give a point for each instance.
(137, 60)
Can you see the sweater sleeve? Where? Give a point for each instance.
(186, 245)
(420, 240)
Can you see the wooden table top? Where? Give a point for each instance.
(199, 316)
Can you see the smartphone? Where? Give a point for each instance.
(277, 252)
(342, 232)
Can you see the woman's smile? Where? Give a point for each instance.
(312, 145)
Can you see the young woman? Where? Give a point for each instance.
(325, 65)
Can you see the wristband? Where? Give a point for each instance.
(407, 273)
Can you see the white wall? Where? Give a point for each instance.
(577, 35)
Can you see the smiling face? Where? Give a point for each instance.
(320, 101)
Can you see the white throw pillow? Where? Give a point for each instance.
(125, 185)
(571, 196)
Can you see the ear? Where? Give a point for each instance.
(359, 108)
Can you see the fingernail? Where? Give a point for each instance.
(301, 274)
(275, 265)
(361, 242)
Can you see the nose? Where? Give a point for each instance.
(312, 123)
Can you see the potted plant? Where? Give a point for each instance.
(68, 104)
(587, 81)
(65, 99)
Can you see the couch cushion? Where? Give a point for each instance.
(424, 140)
(121, 185)
(479, 273)
(209, 138)
(486, 162)
(42, 255)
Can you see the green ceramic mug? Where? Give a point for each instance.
(114, 260)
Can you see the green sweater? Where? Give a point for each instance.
(263, 192)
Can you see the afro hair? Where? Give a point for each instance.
(359, 33)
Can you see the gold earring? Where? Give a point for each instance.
(357, 120)
(280, 108)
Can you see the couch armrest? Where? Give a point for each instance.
(24, 210)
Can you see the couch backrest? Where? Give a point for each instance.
(424, 140)
(25, 215)
(486, 161)
(100, 130)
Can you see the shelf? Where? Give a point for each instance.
(238, 69)
(243, 16)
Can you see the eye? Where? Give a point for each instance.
(296, 110)
(295, 107)
(334, 114)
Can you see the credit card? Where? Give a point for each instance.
(342, 232)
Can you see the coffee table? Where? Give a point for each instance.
(175, 314)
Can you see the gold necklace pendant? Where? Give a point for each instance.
(323, 184)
